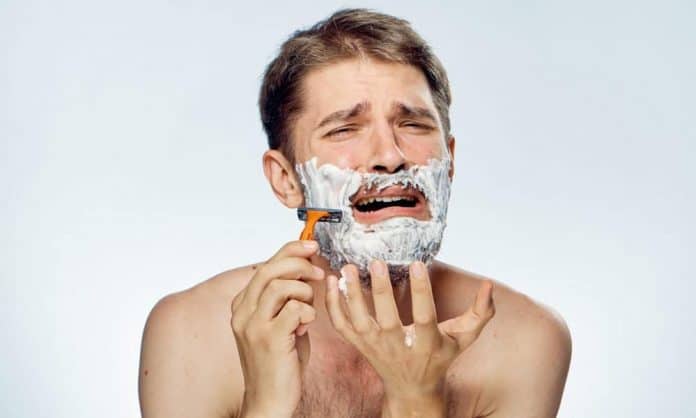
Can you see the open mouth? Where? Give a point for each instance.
(371, 206)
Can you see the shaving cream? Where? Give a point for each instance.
(398, 241)
(343, 286)
(409, 336)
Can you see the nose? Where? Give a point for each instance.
(386, 156)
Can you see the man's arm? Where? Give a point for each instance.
(183, 373)
(535, 371)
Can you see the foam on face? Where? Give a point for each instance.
(398, 241)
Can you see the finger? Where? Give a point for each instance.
(279, 291)
(386, 312)
(359, 315)
(336, 313)
(292, 315)
(237, 300)
(467, 327)
(289, 268)
(299, 248)
(423, 304)
(301, 329)
(483, 305)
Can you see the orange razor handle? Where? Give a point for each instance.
(313, 217)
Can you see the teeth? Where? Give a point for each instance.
(369, 200)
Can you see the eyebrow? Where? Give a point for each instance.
(405, 111)
(344, 114)
(401, 110)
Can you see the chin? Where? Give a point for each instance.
(398, 275)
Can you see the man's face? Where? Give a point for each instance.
(369, 116)
(363, 122)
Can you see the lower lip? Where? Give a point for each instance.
(420, 212)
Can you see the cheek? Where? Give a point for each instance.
(346, 161)
(344, 155)
(420, 151)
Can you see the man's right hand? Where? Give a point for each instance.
(269, 320)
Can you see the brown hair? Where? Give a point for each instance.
(348, 33)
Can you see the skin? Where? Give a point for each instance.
(256, 341)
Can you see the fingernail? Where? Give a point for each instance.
(418, 270)
(318, 272)
(311, 245)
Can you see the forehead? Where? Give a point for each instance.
(343, 84)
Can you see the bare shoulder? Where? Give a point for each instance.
(518, 318)
(189, 364)
(524, 352)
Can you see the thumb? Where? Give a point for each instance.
(303, 349)
(466, 328)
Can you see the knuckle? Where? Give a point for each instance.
(287, 265)
(293, 306)
(236, 325)
(424, 320)
(281, 251)
(255, 333)
(491, 311)
(420, 286)
(476, 316)
(306, 289)
(289, 248)
(339, 325)
(381, 288)
(372, 336)
(262, 271)
(274, 287)
(390, 326)
(363, 329)
(305, 267)
(311, 313)
(301, 266)
(248, 333)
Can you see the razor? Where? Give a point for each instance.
(313, 215)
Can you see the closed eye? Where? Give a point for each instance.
(341, 131)
(416, 125)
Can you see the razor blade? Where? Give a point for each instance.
(331, 215)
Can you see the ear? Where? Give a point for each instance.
(450, 147)
(281, 175)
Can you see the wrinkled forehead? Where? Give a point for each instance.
(365, 87)
(379, 84)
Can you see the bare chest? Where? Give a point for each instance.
(340, 390)
(350, 391)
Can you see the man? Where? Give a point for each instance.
(356, 112)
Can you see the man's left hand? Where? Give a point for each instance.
(411, 360)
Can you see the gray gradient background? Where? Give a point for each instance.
(130, 169)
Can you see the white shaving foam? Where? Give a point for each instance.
(398, 241)
(343, 286)
(410, 337)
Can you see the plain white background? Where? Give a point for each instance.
(130, 169)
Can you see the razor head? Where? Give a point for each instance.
(334, 215)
